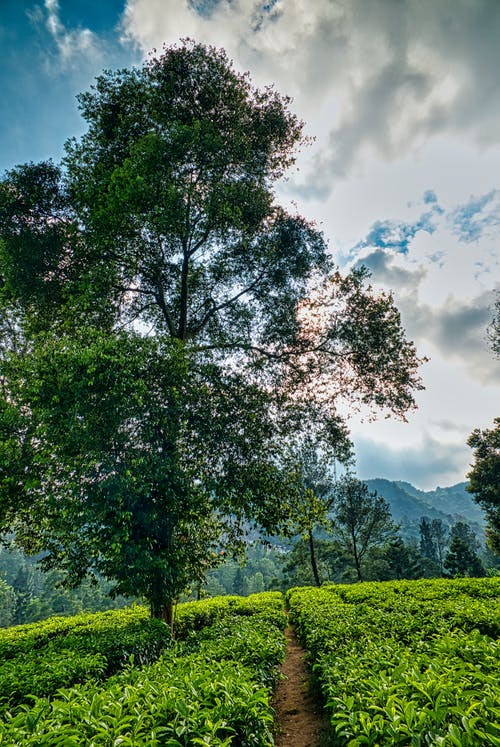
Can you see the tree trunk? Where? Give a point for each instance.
(313, 559)
(357, 559)
(164, 611)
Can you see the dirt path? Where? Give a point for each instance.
(299, 716)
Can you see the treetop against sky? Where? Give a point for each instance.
(402, 176)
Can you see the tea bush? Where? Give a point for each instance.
(212, 688)
(65, 651)
(407, 663)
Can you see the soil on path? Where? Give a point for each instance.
(299, 716)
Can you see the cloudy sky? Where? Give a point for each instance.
(403, 99)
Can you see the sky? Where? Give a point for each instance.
(403, 100)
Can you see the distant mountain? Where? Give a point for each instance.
(454, 500)
(408, 504)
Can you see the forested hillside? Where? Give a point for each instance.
(454, 500)
(408, 503)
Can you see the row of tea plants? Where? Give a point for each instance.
(212, 686)
(407, 663)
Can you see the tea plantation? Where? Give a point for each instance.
(117, 678)
(409, 663)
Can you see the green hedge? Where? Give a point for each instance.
(24, 639)
(193, 616)
(213, 688)
(67, 651)
(406, 663)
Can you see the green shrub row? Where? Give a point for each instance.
(213, 688)
(24, 639)
(405, 663)
(91, 653)
(39, 658)
(94, 650)
(193, 616)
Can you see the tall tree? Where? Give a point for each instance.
(169, 335)
(484, 478)
(427, 541)
(462, 558)
(433, 541)
(361, 519)
(441, 538)
(403, 560)
(313, 496)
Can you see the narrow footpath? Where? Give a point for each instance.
(299, 717)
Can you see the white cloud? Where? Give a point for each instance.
(427, 464)
(403, 100)
(375, 78)
(443, 280)
(71, 48)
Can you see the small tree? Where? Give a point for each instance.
(484, 478)
(462, 558)
(313, 495)
(361, 519)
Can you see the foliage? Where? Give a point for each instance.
(361, 519)
(462, 558)
(427, 544)
(434, 539)
(207, 690)
(7, 604)
(407, 662)
(159, 345)
(397, 559)
(313, 472)
(193, 616)
(131, 396)
(332, 561)
(38, 659)
(259, 570)
(39, 594)
(484, 478)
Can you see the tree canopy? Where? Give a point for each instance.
(484, 478)
(361, 519)
(462, 558)
(494, 329)
(313, 474)
(166, 325)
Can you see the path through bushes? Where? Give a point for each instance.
(301, 722)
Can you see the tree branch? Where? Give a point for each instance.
(218, 307)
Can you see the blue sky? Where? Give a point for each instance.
(404, 103)
(39, 78)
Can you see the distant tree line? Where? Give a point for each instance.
(29, 594)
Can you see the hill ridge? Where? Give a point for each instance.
(408, 503)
